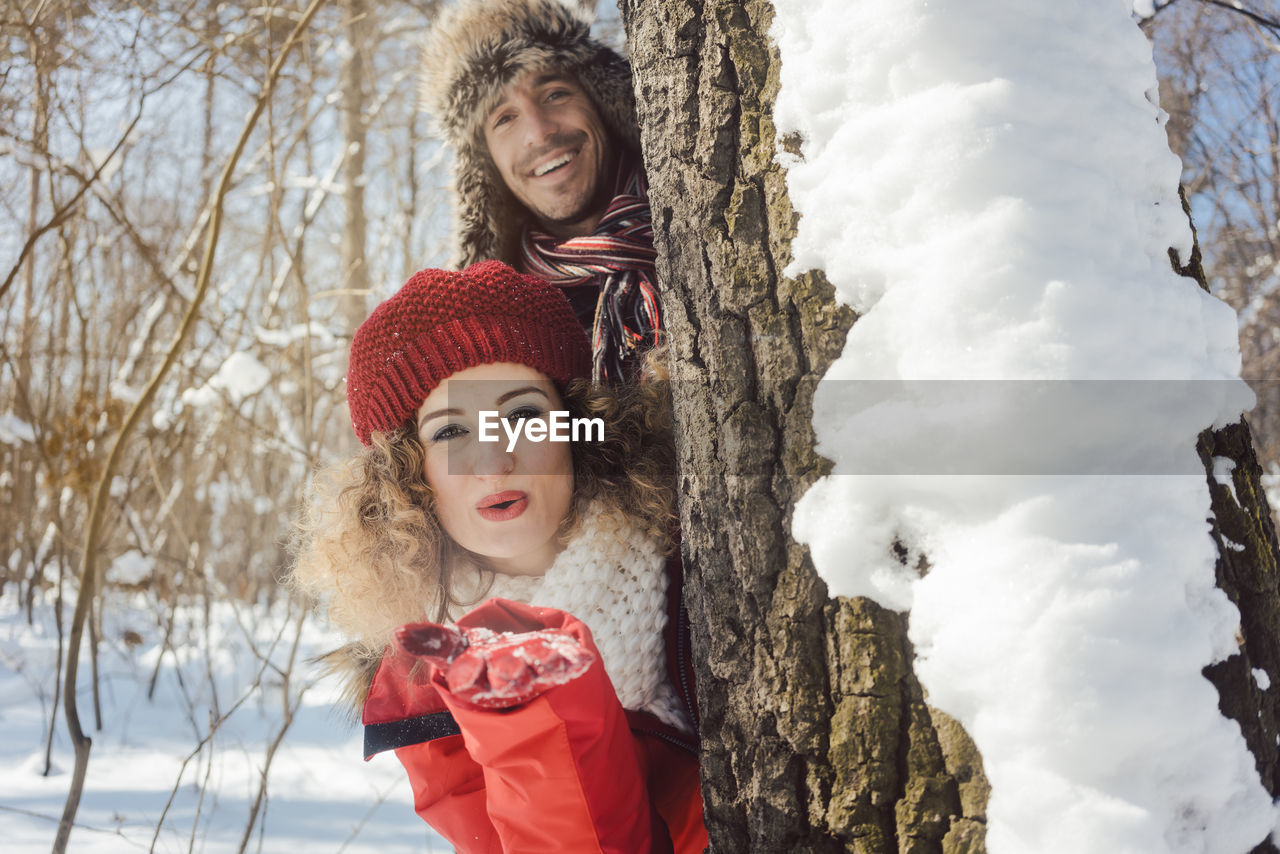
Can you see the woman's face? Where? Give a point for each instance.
(506, 505)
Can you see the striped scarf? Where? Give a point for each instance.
(612, 268)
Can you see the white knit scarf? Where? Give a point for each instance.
(613, 578)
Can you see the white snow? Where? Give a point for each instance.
(240, 377)
(1260, 676)
(320, 798)
(988, 184)
(296, 332)
(14, 430)
(132, 567)
(1222, 469)
(1233, 545)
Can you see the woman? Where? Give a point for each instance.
(557, 715)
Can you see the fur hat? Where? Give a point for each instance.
(472, 52)
(442, 322)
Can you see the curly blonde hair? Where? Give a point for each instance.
(370, 544)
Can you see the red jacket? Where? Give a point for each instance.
(569, 771)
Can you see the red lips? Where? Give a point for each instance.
(502, 505)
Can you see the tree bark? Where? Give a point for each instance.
(816, 733)
(816, 736)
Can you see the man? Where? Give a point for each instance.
(547, 172)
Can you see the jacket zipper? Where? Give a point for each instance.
(670, 739)
(681, 627)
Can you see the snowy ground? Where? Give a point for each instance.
(320, 796)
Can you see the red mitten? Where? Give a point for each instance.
(495, 670)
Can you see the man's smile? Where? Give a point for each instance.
(554, 164)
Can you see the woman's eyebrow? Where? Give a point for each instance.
(436, 414)
(503, 398)
(516, 392)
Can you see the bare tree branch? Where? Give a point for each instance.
(1262, 20)
(88, 573)
(60, 215)
(1234, 6)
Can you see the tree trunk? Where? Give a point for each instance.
(815, 732)
(355, 271)
(1244, 531)
(816, 735)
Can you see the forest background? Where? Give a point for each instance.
(117, 127)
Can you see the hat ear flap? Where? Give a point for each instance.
(485, 210)
(608, 77)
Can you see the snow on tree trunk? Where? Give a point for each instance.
(987, 186)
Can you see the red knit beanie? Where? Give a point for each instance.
(442, 322)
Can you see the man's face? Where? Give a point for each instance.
(551, 149)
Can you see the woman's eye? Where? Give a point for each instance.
(520, 413)
(447, 432)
